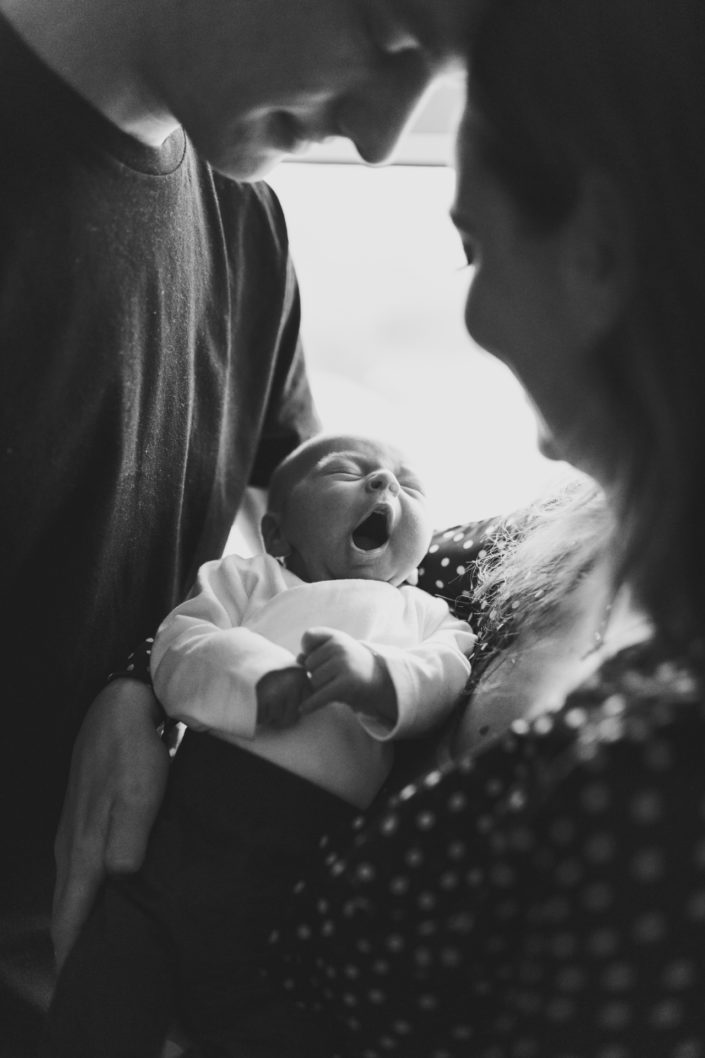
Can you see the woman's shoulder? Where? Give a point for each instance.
(637, 725)
(636, 693)
(627, 741)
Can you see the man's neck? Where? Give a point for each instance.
(96, 47)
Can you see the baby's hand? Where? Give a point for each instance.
(279, 697)
(343, 670)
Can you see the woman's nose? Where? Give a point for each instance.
(381, 480)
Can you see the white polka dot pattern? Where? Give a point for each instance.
(541, 900)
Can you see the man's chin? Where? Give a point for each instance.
(248, 168)
(253, 148)
(239, 156)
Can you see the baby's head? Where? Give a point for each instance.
(343, 506)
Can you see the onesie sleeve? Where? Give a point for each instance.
(205, 666)
(430, 677)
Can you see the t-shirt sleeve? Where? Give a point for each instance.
(291, 416)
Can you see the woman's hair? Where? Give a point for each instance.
(566, 88)
(538, 557)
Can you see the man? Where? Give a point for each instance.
(150, 359)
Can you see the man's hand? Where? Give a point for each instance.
(280, 694)
(116, 785)
(343, 670)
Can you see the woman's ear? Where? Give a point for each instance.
(274, 542)
(598, 266)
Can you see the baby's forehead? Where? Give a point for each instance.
(316, 458)
(363, 451)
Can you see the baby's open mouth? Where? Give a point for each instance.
(373, 531)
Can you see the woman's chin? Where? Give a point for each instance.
(547, 444)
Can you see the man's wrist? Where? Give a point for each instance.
(137, 667)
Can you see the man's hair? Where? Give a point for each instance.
(567, 88)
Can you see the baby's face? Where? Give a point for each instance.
(358, 511)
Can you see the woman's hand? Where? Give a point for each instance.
(116, 785)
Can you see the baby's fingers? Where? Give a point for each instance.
(323, 672)
(317, 700)
(314, 638)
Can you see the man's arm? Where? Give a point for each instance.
(116, 785)
(119, 766)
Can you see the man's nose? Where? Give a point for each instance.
(382, 480)
(375, 115)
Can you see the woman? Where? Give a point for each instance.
(545, 894)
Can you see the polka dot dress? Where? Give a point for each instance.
(449, 570)
(546, 900)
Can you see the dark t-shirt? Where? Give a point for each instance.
(149, 370)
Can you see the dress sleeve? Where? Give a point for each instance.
(448, 568)
(548, 899)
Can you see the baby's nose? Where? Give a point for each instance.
(381, 480)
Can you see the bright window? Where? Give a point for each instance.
(383, 283)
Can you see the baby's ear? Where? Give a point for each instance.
(274, 543)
